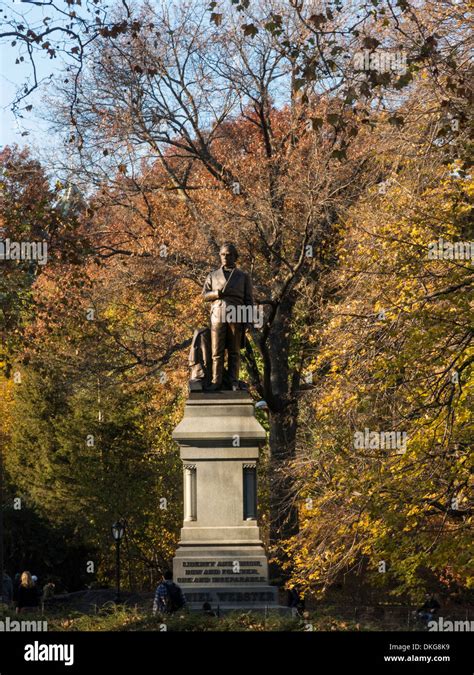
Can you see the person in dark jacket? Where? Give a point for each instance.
(16, 586)
(169, 597)
(429, 608)
(295, 600)
(207, 610)
(7, 589)
(48, 593)
(28, 595)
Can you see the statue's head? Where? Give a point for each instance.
(228, 254)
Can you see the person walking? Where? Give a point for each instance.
(427, 611)
(16, 586)
(48, 593)
(28, 596)
(169, 597)
(295, 601)
(7, 589)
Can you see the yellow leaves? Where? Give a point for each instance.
(6, 405)
(430, 495)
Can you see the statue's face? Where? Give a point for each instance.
(228, 257)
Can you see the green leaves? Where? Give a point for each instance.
(396, 120)
(340, 153)
(335, 119)
(403, 80)
(317, 19)
(216, 18)
(316, 122)
(370, 43)
(298, 83)
(250, 29)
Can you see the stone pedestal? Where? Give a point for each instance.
(220, 558)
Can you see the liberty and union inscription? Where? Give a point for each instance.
(221, 572)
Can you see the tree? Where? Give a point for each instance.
(384, 449)
(28, 213)
(317, 37)
(64, 382)
(82, 462)
(188, 132)
(278, 171)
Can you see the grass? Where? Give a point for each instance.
(112, 617)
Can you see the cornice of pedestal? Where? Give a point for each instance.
(225, 419)
(217, 398)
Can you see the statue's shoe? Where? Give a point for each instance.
(214, 387)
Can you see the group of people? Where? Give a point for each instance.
(24, 593)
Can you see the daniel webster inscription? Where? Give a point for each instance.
(220, 557)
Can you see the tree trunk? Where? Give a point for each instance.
(283, 513)
(283, 420)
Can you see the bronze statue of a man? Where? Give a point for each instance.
(230, 291)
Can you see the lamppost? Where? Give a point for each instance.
(118, 530)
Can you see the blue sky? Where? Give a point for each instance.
(13, 76)
(11, 127)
